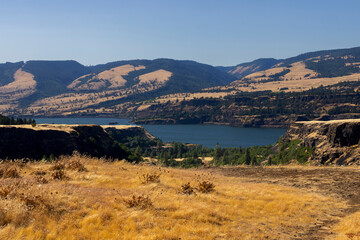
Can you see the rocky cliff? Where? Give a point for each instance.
(334, 142)
(25, 141)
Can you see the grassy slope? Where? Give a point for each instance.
(90, 205)
(52, 77)
(7, 71)
(264, 64)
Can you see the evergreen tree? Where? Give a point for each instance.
(247, 157)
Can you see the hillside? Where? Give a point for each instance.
(271, 93)
(80, 197)
(245, 69)
(186, 91)
(33, 83)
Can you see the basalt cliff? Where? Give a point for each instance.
(43, 140)
(335, 142)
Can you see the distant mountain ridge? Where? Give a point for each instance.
(124, 88)
(47, 79)
(263, 64)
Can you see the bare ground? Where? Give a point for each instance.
(337, 182)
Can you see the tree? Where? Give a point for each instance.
(247, 157)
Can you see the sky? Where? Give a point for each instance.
(216, 32)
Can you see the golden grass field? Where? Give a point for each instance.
(84, 198)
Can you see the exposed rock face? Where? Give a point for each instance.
(128, 131)
(335, 142)
(25, 141)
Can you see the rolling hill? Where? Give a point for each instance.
(26, 85)
(185, 91)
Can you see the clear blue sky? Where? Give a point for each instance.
(216, 32)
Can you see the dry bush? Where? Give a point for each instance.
(39, 173)
(141, 202)
(7, 171)
(32, 202)
(150, 178)
(187, 189)
(41, 179)
(58, 166)
(76, 164)
(205, 187)
(5, 191)
(59, 175)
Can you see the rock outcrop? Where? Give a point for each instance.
(25, 141)
(334, 142)
(127, 131)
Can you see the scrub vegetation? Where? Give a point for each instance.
(98, 199)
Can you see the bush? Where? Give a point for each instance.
(41, 179)
(75, 164)
(59, 175)
(5, 191)
(57, 166)
(150, 178)
(7, 171)
(187, 189)
(141, 202)
(206, 187)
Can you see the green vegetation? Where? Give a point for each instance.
(189, 155)
(18, 121)
(333, 67)
(289, 151)
(52, 77)
(276, 76)
(309, 104)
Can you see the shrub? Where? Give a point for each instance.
(59, 175)
(39, 173)
(150, 178)
(75, 164)
(32, 202)
(5, 191)
(206, 187)
(187, 189)
(57, 166)
(8, 172)
(141, 202)
(41, 179)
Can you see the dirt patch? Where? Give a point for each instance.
(337, 182)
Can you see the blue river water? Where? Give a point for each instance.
(207, 135)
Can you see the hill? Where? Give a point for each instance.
(25, 84)
(244, 69)
(168, 90)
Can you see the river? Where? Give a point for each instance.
(207, 135)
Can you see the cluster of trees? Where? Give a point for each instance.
(264, 104)
(332, 67)
(182, 155)
(12, 121)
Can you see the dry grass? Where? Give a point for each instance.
(150, 178)
(113, 77)
(159, 77)
(109, 202)
(348, 228)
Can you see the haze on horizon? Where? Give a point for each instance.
(223, 33)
